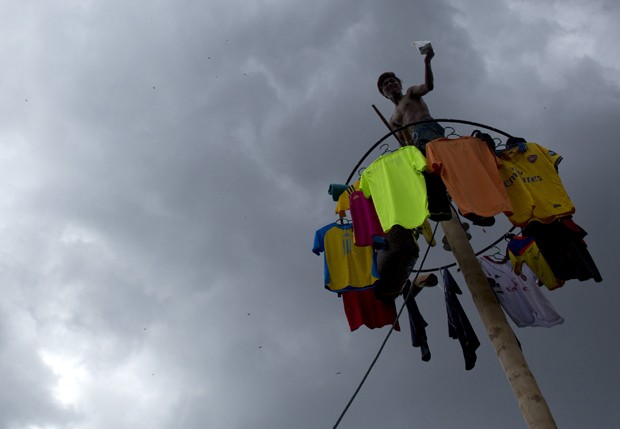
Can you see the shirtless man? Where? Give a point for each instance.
(410, 107)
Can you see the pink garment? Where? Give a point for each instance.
(365, 220)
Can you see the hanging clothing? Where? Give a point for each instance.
(336, 189)
(343, 203)
(459, 326)
(470, 171)
(399, 254)
(438, 201)
(417, 325)
(364, 216)
(533, 184)
(562, 245)
(519, 295)
(363, 308)
(427, 232)
(346, 266)
(365, 219)
(397, 187)
(524, 250)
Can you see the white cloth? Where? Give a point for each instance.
(519, 295)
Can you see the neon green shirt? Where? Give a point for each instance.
(397, 187)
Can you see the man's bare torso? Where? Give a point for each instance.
(410, 108)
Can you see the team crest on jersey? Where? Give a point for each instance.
(532, 158)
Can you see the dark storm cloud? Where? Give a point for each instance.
(165, 177)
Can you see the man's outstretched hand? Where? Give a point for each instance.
(429, 55)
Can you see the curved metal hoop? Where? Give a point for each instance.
(454, 121)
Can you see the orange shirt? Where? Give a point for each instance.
(470, 171)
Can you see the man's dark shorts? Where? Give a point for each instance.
(424, 133)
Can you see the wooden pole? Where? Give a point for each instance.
(531, 401)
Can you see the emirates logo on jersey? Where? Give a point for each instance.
(532, 158)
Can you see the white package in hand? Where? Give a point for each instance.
(423, 46)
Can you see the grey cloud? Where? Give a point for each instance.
(168, 171)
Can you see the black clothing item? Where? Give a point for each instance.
(485, 137)
(480, 220)
(561, 243)
(438, 201)
(515, 141)
(393, 261)
(459, 326)
(417, 324)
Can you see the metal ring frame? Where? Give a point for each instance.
(455, 121)
(391, 133)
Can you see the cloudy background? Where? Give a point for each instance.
(164, 165)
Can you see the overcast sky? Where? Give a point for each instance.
(164, 165)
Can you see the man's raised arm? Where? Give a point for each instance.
(429, 81)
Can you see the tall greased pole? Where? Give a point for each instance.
(531, 401)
